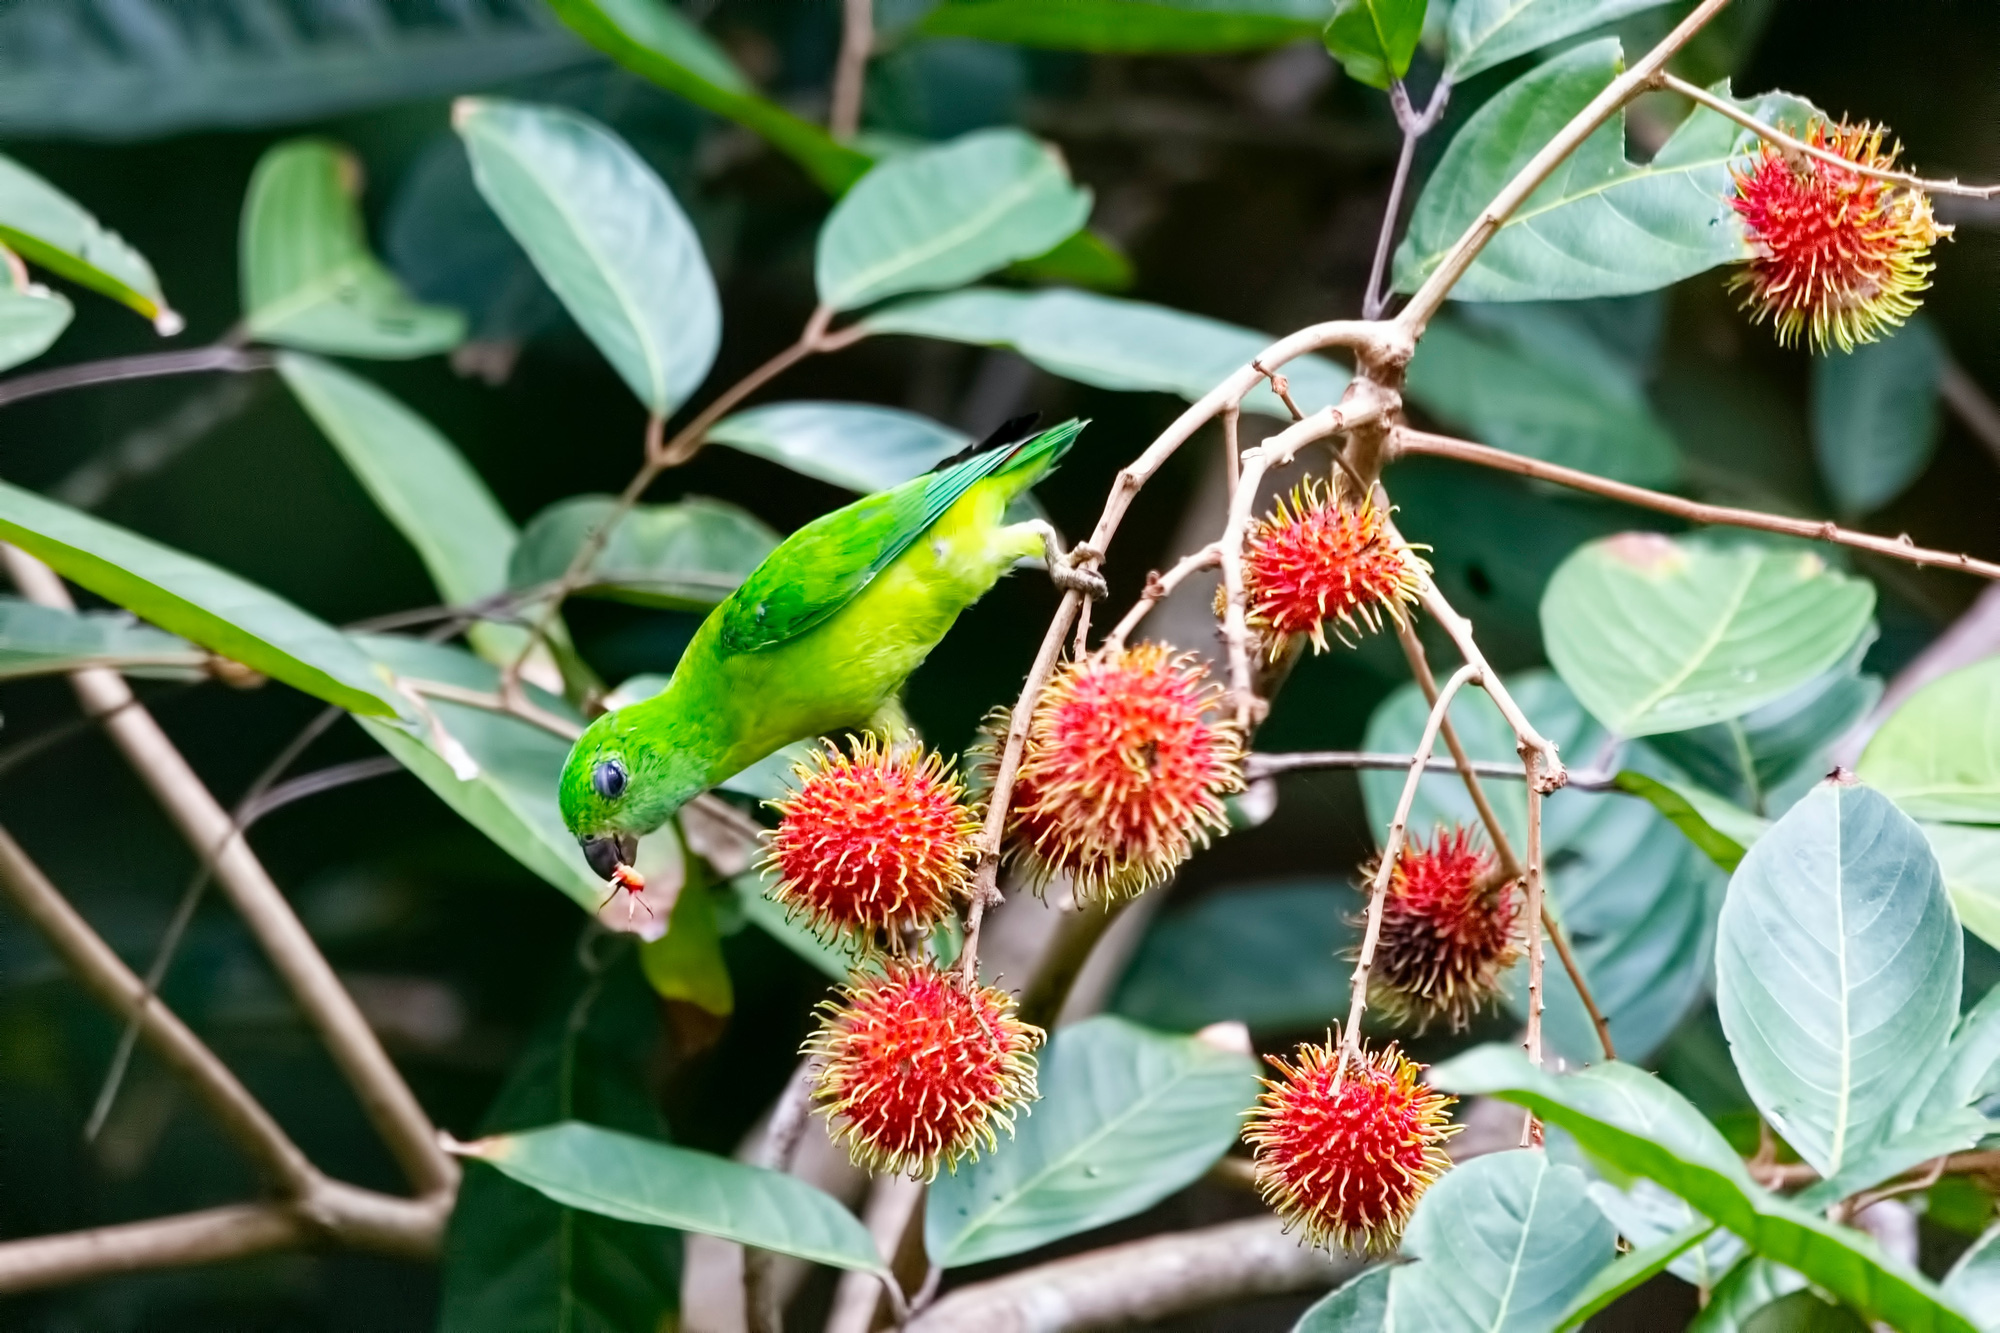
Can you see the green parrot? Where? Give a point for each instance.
(820, 636)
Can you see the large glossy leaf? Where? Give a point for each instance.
(642, 1180)
(153, 67)
(44, 640)
(497, 772)
(1599, 226)
(1875, 415)
(1974, 1281)
(420, 483)
(688, 555)
(1126, 1117)
(1636, 1122)
(1661, 634)
(516, 1261)
(1266, 956)
(309, 279)
(1646, 1214)
(1129, 25)
(229, 616)
(945, 216)
(1938, 755)
(47, 227)
(1638, 901)
(1837, 970)
(1502, 1244)
(1111, 343)
(1360, 1305)
(1484, 33)
(650, 38)
(605, 232)
(1760, 760)
(856, 445)
(31, 318)
(1753, 1286)
(1374, 39)
(1535, 381)
(1969, 856)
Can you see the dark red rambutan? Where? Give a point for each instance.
(1449, 932)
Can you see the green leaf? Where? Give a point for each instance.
(945, 216)
(1875, 415)
(497, 772)
(1129, 25)
(753, 900)
(686, 962)
(1969, 856)
(1111, 343)
(1374, 39)
(46, 640)
(1535, 381)
(855, 445)
(31, 318)
(605, 232)
(1970, 1069)
(641, 1180)
(1484, 33)
(1633, 1270)
(1082, 259)
(689, 555)
(1974, 1281)
(47, 227)
(1126, 1117)
(516, 1262)
(1646, 1214)
(1638, 901)
(1660, 634)
(650, 38)
(1503, 1244)
(420, 483)
(229, 616)
(158, 67)
(1938, 755)
(1634, 1121)
(1264, 955)
(1599, 226)
(309, 279)
(1360, 1305)
(1837, 971)
(1752, 1286)
(1722, 831)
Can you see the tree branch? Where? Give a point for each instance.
(850, 72)
(150, 365)
(1423, 444)
(1414, 127)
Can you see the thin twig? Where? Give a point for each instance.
(850, 71)
(1414, 127)
(1263, 764)
(1159, 585)
(1771, 133)
(1531, 1134)
(1392, 848)
(1424, 444)
(149, 365)
(489, 701)
(1962, 394)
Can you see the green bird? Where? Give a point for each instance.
(821, 636)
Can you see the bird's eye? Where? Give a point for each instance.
(608, 779)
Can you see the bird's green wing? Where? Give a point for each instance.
(825, 565)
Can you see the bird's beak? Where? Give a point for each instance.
(607, 851)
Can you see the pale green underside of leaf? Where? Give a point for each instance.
(227, 615)
(1658, 635)
(1126, 1117)
(642, 1180)
(606, 234)
(1129, 25)
(1111, 343)
(49, 228)
(1974, 1281)
(1969, 856)
(1938, 755)
(31, 319)
(46, 640)
(1483, 33)
(309, 279)
(945, 216)
(1598, 226)
(858, 446)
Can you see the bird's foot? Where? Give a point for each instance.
(1068, 569)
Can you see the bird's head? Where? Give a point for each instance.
(615, 788)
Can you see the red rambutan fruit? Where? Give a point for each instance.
(916, 1073)
(1124, 771)
(1345, 1155)
(1838, 257)
(1449, 932)
(1314, 559)
(873, 842)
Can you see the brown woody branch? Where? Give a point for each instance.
(850, 71)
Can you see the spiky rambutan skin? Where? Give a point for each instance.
(1344, 1156)
(916, 1073)
(874, 841)
(1838, 256)
(1314, 559)
(1449, 932)
(1124, 771)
